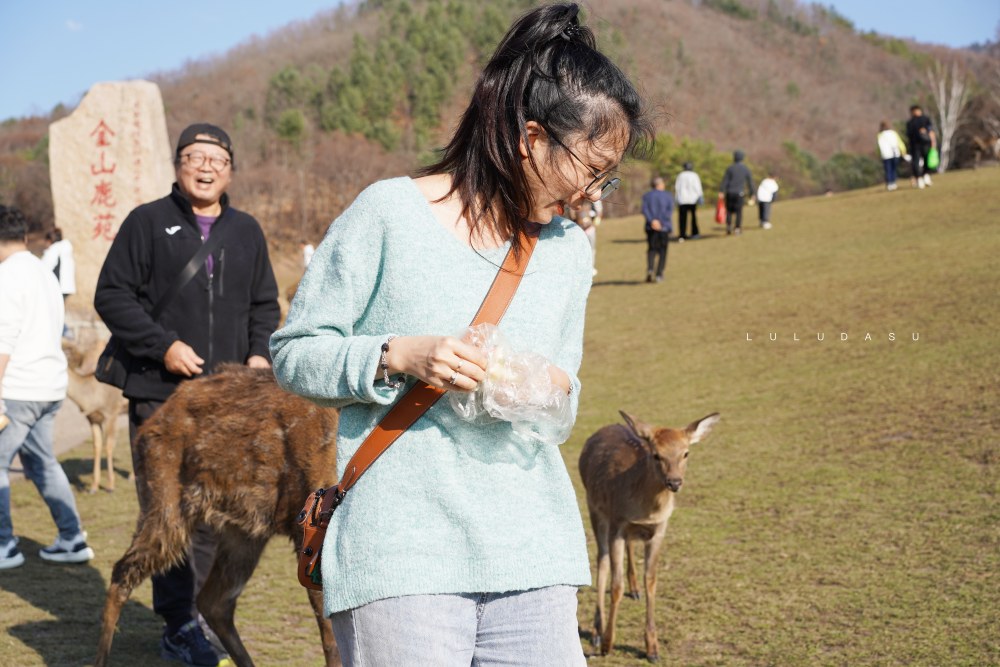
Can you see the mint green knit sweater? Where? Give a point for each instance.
(450, 507)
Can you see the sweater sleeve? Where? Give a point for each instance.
(318, 354)
(125, 273)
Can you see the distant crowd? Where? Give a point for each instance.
(738, 189)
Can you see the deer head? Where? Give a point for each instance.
(668, 447)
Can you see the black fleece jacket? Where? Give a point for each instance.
(226, 317)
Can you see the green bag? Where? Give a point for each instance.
(933, 159)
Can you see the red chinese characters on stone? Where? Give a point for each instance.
(102, 227)
(103, 168)
(104, 196)
(102, 131)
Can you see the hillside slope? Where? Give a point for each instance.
(762, 75)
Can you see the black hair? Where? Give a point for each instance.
(13, 226)
(546, 69)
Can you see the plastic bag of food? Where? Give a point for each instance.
(517, 389)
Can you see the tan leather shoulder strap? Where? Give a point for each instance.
(421, 396)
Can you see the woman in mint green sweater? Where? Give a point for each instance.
(463, 543)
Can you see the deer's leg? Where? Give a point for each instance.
(110, 433)
(330, 650)
(236, 558)
(96, 434)
(617, 590)
(652, 558)
(603, 570)
(153, 549)
(633, 586)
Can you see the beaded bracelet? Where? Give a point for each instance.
(384, 365)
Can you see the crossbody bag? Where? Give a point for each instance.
(321, 504)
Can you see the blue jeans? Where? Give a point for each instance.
(890, 166)
(30, 435)
(524, 628)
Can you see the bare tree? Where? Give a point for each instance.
(950, 92)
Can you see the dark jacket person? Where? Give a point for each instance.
(225, 313)
(737, 185)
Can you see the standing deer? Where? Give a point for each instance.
(234, 452)
(100, 404)
(631, 474)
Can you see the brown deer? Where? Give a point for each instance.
(235, 452)
(631, 474)
(100, 403)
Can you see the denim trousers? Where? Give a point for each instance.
(516, 629)
(890, 166)
(30, 435)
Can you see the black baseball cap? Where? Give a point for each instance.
(211, 134)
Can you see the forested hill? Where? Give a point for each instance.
(321, 108)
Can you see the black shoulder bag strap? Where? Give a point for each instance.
(187, 273)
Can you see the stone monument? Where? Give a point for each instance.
(107, 157)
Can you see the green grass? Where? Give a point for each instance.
(844, 511)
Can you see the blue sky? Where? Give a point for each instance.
(53, 50)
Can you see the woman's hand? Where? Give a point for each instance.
(440, 361)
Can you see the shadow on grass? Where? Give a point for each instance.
(592, 651)
(606, 283)
(80, 468)
(73, 595)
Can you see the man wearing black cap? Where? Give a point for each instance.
(737, 185)
(225, 311)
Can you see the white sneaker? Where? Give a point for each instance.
(10, 555)
(920, 183)
(927, 180)
(68, 551)
(766, 225)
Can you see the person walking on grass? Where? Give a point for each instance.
(920, 133)
(891, 148)
(737, 185)
(688, 192)
(33, 383)
(766, 192)
(463, 543)
(658, 210)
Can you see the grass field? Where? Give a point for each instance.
(845, 510)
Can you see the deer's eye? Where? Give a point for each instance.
(656, 456)
(686, 454)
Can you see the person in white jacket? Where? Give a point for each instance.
(58, 258)
(890, 148)
(765, 197)
(688, 194)
(32, 387)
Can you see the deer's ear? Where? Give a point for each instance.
(699, 429)
(640, 428)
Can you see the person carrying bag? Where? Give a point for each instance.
(115, 362)
(468, 525)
